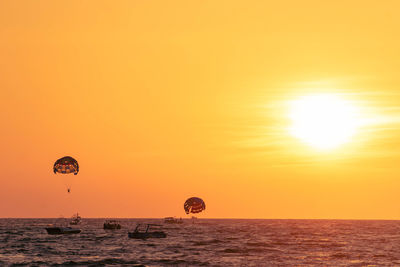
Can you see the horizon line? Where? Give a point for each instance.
(209, 218)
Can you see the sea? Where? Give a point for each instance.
(204, 242)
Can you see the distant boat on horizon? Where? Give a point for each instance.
(111, 225)
(76, 219)
(173, 220)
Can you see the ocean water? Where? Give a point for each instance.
(205, 243)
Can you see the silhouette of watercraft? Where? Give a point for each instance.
(76, 219)
(147, 232)
(62, 230)
(173, 220)
(111, 225)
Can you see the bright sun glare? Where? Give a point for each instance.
(323, 121)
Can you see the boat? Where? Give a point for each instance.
(76, 219)
(173, 220)
(140, 233)
(111, 225)
(62, 230)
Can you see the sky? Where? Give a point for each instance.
(160, 101)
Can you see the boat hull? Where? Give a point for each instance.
(138, 235)
(111, 227)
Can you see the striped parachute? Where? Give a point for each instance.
(194, 205)
(66, 165)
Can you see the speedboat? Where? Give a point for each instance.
(62, 230)
(173, 220)
(111, 225)
(76, 219)
(144, 232)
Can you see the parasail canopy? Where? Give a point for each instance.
(194, 205)
(66, 165)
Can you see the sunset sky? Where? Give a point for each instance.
(160, 101)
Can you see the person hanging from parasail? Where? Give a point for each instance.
(66, 165)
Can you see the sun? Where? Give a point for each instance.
(323, 121)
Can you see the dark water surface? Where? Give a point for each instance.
(206, 243)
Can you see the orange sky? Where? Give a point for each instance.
(163, 100)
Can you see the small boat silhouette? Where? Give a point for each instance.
(173, 220)
(76, 219)
(111, 225)
(139, 233)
